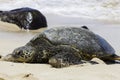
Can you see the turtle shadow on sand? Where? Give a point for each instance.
(64, 46)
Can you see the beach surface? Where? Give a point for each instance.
(12, 37)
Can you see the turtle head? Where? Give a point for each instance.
(21, 54)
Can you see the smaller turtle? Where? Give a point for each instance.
(64, 46)
(24, 18)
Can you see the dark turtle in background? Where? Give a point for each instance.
(64, 46)
(26, 18)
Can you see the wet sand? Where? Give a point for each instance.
(11, 37)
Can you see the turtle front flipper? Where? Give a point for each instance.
(58, 62)
(66, 56)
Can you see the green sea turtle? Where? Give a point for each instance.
(24, 18)
(64, 46)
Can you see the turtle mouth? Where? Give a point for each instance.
(13, 58)
(9, 57)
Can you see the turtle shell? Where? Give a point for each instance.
(83, 39)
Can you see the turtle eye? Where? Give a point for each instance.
(19, 53)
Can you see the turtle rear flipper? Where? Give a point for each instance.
(112, 59)
(115, 57)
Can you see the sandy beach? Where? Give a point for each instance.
(12, 37)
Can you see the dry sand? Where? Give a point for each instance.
(18, 71)
(12, 37)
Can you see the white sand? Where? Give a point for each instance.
(12, 37)
(45, 72)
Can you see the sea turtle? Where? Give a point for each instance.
(64, 46)
(24, 18)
